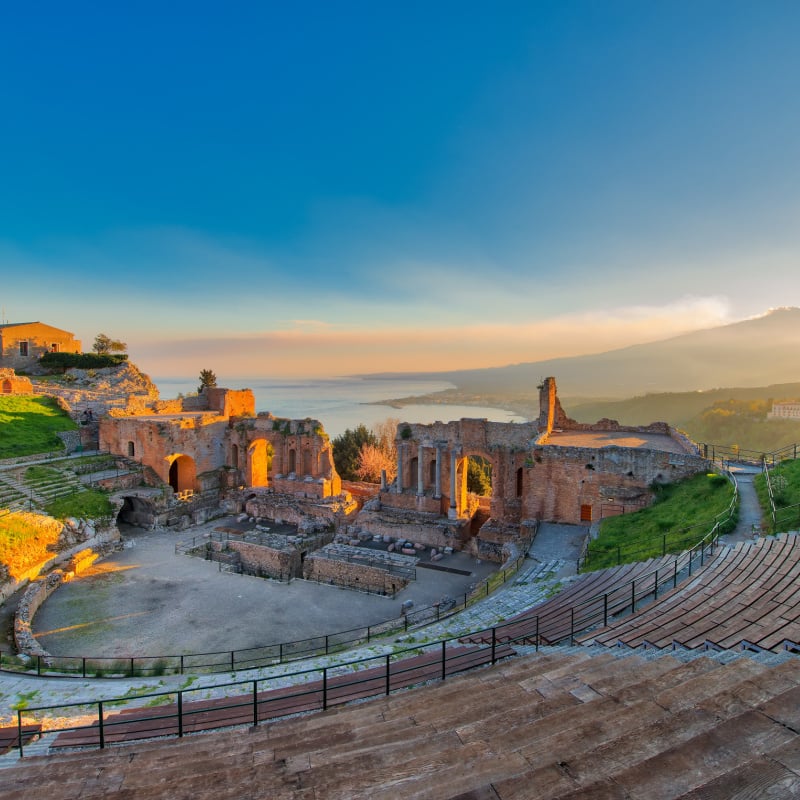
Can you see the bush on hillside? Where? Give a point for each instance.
(63, 361)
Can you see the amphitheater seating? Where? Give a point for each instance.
(566, 723)
(748, 598)
(591, 599)
(202, 715)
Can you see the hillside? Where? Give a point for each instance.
(677, 408)
(736, 416)
(755, 352)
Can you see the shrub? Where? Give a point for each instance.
(64, 361)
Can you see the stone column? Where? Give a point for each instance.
(437, 490)
(420, 472)
(383, 480)
(453, 511)
(399, 482)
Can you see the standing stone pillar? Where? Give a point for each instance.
(437, 490)
(453, 511)
(383, 480)
(420, 472)
(399, 482)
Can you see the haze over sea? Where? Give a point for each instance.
(341, 403)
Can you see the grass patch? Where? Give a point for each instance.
(682, 514)
(86, 504)
(26, 540)
(24, 700)
(785, 481)
(30, 425)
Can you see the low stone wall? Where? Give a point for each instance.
(352, 576)
(306, 515)
(77, 535)
(37, 592)
(430, 530)
(29, 604)
(282, 564)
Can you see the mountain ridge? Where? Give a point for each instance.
(754, 352)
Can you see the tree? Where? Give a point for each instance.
(479, 476)
(346, 449)
(372, 460)
(208, 380)
(103, 345)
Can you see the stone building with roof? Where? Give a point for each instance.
(22, 344)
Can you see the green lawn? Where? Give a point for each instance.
(682, 514)
(785, 481)
(26, 540)
(87, 504)
(29, 425)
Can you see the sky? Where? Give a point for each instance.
(318, 189)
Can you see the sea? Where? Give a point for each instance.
(342, 403)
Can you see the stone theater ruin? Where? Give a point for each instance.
(216, 453)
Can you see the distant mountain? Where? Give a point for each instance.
(756, 352)
(677, 408)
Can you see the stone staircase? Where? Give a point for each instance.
(563, 723)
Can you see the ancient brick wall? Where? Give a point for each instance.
(343, 573)
(276, 563)
(11, 383)
(560, 481)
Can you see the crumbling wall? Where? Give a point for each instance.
(353, 576)
(282, 564)
(561, 483)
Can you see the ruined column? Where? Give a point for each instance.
(437, 491)
(383, 480)
(453, 511)
(399, 482)
(420, 466)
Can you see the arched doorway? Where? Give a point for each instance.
(182, 473)
(474, 486)
(259, 462)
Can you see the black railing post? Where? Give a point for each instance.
(664, 545)
(100, 725)
(655, 588)
(130, 671)
(326, 644)
(675, 574)
(324, 688)
(181, 664)
(388, 673)
(232, 661)
(19, 732)
(444, 659)
(255, 703)
(83, 667)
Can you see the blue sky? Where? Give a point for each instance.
(328, 188)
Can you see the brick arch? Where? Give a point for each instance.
(461, 480)
(182, 472)
(259, 462)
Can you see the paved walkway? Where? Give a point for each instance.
(750, 513)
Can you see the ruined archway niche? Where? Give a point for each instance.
(432, 466)
(182, 472)
(259, 462)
